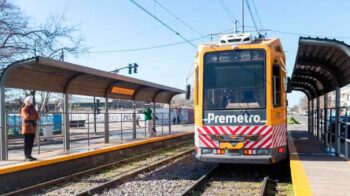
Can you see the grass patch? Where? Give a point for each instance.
(292, 120)
(284, 189)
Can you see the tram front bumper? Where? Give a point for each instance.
(257, 159)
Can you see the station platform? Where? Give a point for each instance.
(313, 170)
(51, 151)
(59, 163)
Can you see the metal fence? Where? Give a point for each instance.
(86, 126)
(335, 136)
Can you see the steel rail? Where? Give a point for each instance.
(266, 186)
(200, 182)
(41, 186)
(121, 179)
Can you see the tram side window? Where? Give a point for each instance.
(276, 85)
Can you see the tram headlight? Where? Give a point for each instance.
(207, 151)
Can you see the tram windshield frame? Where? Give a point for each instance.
(234, 80)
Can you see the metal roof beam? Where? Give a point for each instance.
(110, 86)
(315, 63)
(137, 91)
(305, 91)
(156, 94)
(308, 87)
(69, 82)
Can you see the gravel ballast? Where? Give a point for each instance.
(172, 179)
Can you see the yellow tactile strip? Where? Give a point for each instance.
(301, 186)
(62, 158)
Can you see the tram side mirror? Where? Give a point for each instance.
(289, 85)
(188, 92)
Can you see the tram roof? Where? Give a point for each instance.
(321, 66)
(46, 74)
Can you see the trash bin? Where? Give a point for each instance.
(47, 133)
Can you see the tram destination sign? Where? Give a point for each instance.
(232, 117)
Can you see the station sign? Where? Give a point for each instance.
(233, 117)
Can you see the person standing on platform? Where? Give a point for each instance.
(29, 124)
(148, 117)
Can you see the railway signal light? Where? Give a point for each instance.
(188, 92)
(130, 69)
(97, 107)
(135, 67)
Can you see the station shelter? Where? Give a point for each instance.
(322, 68)
(46, 74)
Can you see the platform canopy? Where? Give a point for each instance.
(321, 66)
(45, 74)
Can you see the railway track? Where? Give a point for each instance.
(97, 179)
(214, 180)
(219, 181)
(170, 171)
(129, 175)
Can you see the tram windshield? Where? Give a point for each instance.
(234, 80)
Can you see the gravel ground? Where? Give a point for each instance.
(234, 180)
(172, 179)
(81, 184)
(284, 189)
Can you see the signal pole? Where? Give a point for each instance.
(242, 16)
(131, 67)
(94, 107)
(235, 27)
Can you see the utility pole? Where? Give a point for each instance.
(235, 27)
(62, 55)
(242, 16)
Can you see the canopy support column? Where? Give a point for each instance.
(337, 119)
(169, 117)
(154, 116)
(312, 117)
(318, 117)
(106, 121)
(325, 129)
(134, 121)
(3, 134)
(95, 113)
(308, 116)
(66, 140)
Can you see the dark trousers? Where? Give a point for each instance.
(28, 144)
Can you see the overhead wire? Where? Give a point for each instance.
(305, 35)
(227, 11)
(251, 15)
(297, 33)
(179, 19)
(187, 25)
(203, 5)
(257, 14)
(159, 46)
(163, 23)
(149, 47)
(128, 36)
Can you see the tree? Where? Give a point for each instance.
(20, 38)
(303, 103)
(295, 109)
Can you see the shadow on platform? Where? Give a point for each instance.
(308, 148)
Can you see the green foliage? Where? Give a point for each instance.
(292, 120)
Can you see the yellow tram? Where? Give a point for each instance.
(240, 101)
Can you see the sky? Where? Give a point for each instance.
(112, 27)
